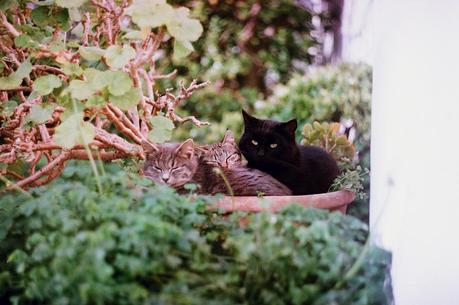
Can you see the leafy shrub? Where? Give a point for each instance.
(80, 75)
(326, 94)
(66, 243)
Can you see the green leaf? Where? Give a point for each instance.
(7, 4)
(46, 15)
(91, 53)
(70, 3)
(80, 90)
(128, 100)
(14, 80)
(183, 28)
(97, 79)
(25, 41)
(150, 13)
(72, 69)
(120, 82)
(9, 82)
(117, 56)
(96, 101)
(162, 122)
(24, 69)
(39, 114)
(182, 49)
(44, 85)
(162, 129)
(73, 131)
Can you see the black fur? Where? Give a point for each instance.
(304, 169)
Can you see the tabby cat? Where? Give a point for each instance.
(178, 164)
(270, 147)
(244, 181)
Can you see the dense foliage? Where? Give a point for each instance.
(138, 244)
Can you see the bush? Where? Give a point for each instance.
(66, 243)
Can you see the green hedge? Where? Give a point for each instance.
(135, 243)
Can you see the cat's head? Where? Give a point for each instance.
(224, 154)
(267, 139)
(172, 164)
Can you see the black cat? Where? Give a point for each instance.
(270, 147)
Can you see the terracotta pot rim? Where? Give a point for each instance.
(337, 200)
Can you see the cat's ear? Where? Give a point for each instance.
(249, 121)
(229, 137)
(290, 127)
(149, 147)
(186, 149)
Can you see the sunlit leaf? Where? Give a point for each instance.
(70, 3)
(80, 90)
(24, 69)
(91, 53)
(119, 82)
(128, 100)
(96, 101)
(14, 80)
(44, 85)
(117, 56)
(97, 79)
(9, 82)
(162, 129)
(39, 114)
(73, 130)
(72, 69)
(182, 49)
(182, 27)
(150, 13)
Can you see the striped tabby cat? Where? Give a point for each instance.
(244, 181)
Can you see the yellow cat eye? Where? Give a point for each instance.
(274, 145)
(254, 142)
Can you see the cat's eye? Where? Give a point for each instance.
(274, 145)
(156, 168)
(254, 142)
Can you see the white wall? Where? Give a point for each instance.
(414, 207)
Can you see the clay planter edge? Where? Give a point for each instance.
(333, 201)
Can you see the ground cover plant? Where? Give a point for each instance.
(67, 243)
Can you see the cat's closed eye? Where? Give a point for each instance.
(254, 142)
(155, 168)
(273, 145)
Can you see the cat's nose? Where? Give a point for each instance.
(261, 153)
(165, 177)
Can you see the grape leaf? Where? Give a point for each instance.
(119, 82)
(72, 69)
(70, 3)
(182, 27)
(44, 85)
(80, 90)
(96, 101)
(24, 69)
(97, 79)
(14, 80)
(117, 56)
(182, 49)
(73, 131)
(128, 100)
(39, 114)
(150, 13)
(91, 53)
(9, 82)
(162, 129)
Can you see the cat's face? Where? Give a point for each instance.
(171, 164)
(266, 139)
(224, 154)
